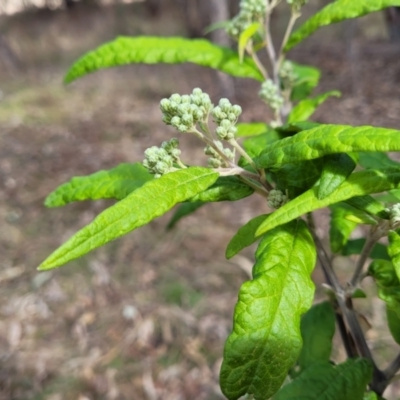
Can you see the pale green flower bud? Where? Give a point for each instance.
(276, 199)
(214, 162)
(269, 92)
(176, 98)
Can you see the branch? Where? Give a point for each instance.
(293, 17)
(393, 367)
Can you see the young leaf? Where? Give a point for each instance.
(394, 250)
(116, 183)
(168, 50)
(255, 145)
(337, 11)
(370, 159)
(369, 205)
(340, 227)
(307, 79)
(359, 183)
(317, 330)
(143, 205)
(266, 339)
(182, 211)
(305, 108)
(336, 169)
(328, 139)
(251, 129)
(324, 381)
(355, 246)
(244, 38)
(245, 236)
(226, 188)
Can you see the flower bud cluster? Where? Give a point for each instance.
(160, 160)
(183, 112)
(276, 199)
(215, 160)
(297, 4)
(269, 92)
(225, 115)
(250, 11)
(287, 75)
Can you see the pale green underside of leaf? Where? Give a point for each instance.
(340, 227)
(167, 50)
(324, 381)
(358, 184)
(335, 12)
(143, 205)
(266, 339)
(329, 139)
(251, 129)
(116, 183)
(305, 108)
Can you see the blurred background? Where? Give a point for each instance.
(146, 316)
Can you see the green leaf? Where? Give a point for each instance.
(355, 246)
(226, 188)
(359, 183)
(329, 139)
(143, 205)
(251, 129)
(317, 329)
(372, 396)
(266, 339)
(255, 145)
(336, 169)
(335, 12)
(394, 250)
(116, 183)
(167, 50)
(340, 227)
(296, 127)
(307, 78)
(305, 108)
(369, 205)
(393, 320)
(370, 159)
(324, 381)
(182, 211)
(392, 196)
(245, 36)
(245, 236)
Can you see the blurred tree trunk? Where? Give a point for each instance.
(392, 15)
(7, 55)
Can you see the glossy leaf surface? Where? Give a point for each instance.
(116, 183)
(329, 139)
(335, 12)
(266, 339)
(167, 50)
(143, 205)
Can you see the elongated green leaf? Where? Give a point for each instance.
(336, 169)
(355, 246)
(251, 129)
(359, 183)
(369, 205)
(392, 196)
(143, 205)
(305, 108)
(296, 127)
(245, 236)
(307, 79)
(157, 50)
(324, 381)
(317, 330)
(226, 188)
(393, 320)
(245, 36)
(329, 139)
(335, 12)
(255, 145)
(266, 339)
(184, 210)
(116, 183)
(370, 159)
(394, 250)
(340, 227)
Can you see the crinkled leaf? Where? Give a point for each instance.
(245, 236)
(307, 79)
(335, 12)
(167, 50)
(296, 127)
(355, 246)
(184, 210)
(266, 339)
(329, 139)
(394, 250)
(143, 205)
(251, 129)
(359, 183)
(116, 183)
(336, 169)
(226, 188)
(317, 330)
(340, 227)
(324, 381)
(370, 159)
(245, 36)
(305, 108)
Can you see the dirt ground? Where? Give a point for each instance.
(146, 316)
